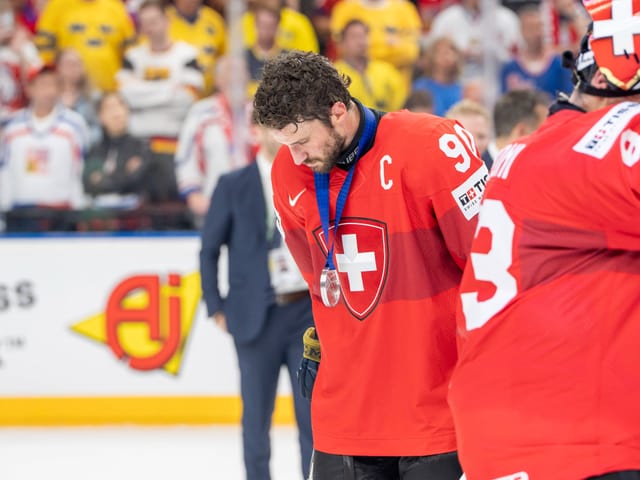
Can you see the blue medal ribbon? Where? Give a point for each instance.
(321, 181)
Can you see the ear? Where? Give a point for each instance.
(599, 80)
(338, 112)
(518, 131)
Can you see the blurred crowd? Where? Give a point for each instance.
(122, 115)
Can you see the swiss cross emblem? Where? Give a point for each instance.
(361, 257)
(471, 193)
(615, 40)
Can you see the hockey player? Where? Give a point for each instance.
(547, 385)
(382, 259)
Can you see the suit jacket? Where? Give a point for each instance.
(487, 159)
(237, 218)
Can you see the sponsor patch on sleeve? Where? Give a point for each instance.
(468, 195)
(602, 136)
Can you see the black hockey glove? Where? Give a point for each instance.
(310, 362)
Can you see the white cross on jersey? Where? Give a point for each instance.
(354, 263)
(622, 26)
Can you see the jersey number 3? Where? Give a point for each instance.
(492, 266)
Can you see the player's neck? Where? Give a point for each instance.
(502, 142)
(590, 103)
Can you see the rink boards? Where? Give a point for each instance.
(99, 329)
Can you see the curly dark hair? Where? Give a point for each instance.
(298, 86)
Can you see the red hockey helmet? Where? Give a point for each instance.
(615, 41)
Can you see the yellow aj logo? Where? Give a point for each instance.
(147, 322)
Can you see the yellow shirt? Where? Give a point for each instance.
(294, 33)
(394, 30)
(207, 33)
(99, 30)
(381, 87)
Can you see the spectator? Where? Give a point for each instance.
(115, 169)
(132, 7)
(321, 20)
(564, 23)
(206, 139)
(394, 27)
(474, 88)
(160, 80)
(419, 101)
(18, 58)
(295, 31)
(475, 118)
(76, 90)
(267, 22)
(268, 307)
(442, 65)
(219, 6)
(516, 114)
(99, 30)
(375, 83)
(202, 27)
(463, 23)
(43, 148)
(430, 8)
(536, 65)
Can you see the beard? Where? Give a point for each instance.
(330, 154)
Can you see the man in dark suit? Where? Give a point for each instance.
(268, 307)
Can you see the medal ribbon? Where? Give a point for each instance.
(321, 181)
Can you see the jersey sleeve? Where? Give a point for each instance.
(624, 209)
(290, 221)
(141, 93)
(456, 183)
(188, 173)
(191, 76)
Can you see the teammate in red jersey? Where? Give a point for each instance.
(383, 260)
(547, 385)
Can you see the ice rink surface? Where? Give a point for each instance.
(138, 453)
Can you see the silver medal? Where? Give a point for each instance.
(329, 287)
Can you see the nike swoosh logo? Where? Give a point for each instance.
(294, 200)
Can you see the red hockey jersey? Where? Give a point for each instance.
(389, 347)
(548, 381)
